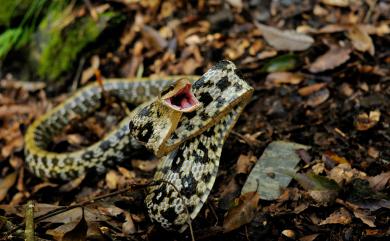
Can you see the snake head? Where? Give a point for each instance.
(153, 123)
(178, 96)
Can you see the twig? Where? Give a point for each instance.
(91, 10)
(29, 215)
(90, 201)
(93, 200)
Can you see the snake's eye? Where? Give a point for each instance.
(179, 96)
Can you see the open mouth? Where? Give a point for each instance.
(181, 98)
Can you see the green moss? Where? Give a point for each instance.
(12, 8)
(64, 44)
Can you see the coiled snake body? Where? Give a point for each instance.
(189, 139)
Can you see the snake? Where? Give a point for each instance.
(183, 120)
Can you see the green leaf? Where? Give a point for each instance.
(281, 63)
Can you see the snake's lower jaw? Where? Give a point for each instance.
(180, 97)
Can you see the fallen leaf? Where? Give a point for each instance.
(153, 38)
(308, 90)
(309, 237)
(338, 3)
(322, 189)
(276, 79)
(318, 97)
(271, 172)
(112, 179)
(281, 63)
(289, 233)
(243, 213)
(379, 182)
(285, 40)
(330, 156)
(73, 184)
(90, 71)
(128, 226)
(335, 56)
(344, 174)
(236, 3)
(365, 217)
(6, 183)
(245, 163)
(79, 232)
(341, 216)
(366, 121)
(147, 166)
(361, 41)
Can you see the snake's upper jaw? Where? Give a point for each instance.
(179, 96)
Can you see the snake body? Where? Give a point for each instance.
(190, 143)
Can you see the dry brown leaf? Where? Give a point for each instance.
(309, 237)
(335, 56)
(42, 185)
(318, 97)
(285, 40)
(147, 166)
(366, 121)
(338, 3)
(379, 182)
(128, 226)
(189, 65)
(245, 163)
(361, 41)
(255, 47)
(333, 28)
(153, 38)
(236, 4)
(243, 213)
(73, 184)
(14, 144)
(6, 183)
(344, 173)
(365, 217)
(308, 90)
(279, 78)
(289, 233)
(341, 216)
(330, 156)
(90, 71)
(110, 210)
(78, 232)
(112, 179)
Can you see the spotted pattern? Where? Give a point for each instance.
(190, 144)
(110, 149)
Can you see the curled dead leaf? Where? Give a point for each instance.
(366, 121)
(335, 56)
(361, 41)
(276, 79)
(318, 97)
(285, 40)
(6, 183)
(243, 213)
(379, 182)
(308, 90)
(341, 216)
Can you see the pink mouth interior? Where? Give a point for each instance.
(183, 100)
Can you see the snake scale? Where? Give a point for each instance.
(186, 125)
